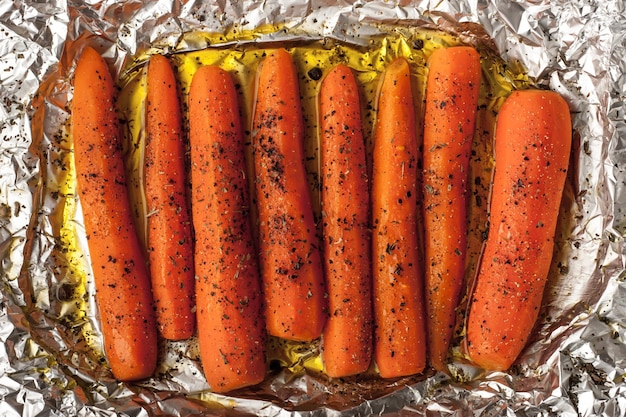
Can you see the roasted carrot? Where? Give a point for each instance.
(170, 247)
(122, 283)
(400, 334)
(532, 149)
(231, 329)
(347, 336)
(452, 91)
(289, 251)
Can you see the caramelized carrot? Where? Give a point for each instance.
(347, 336)
(400, 334)
(170, 247)
(230, 325)
(532, 148)
(231, 330)
(122, 283)
(451, 100)
(289, 254)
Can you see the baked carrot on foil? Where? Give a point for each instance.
(532, 150)
(170, 246)
(231, 329)
(398, 292)
(291, 267)
(452, 90)
(123, 291)
(347, 337)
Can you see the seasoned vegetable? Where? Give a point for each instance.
(532, 148)
(451, 99)
(347, 337)
(231, 329)
(170, 246)
(400, 334)
(289, 251)
(122, 283)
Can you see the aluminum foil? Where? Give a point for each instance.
(49, 361)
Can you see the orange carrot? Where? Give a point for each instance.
(122, 283)
(400, 335)
(289, 254)
(231, 330)
(170, 246)
(451, 100)
(347, 336)
(532, 148)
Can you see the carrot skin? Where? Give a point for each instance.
(170, 246)
(347, 336)
(231, 330)
(123, 290)
(398, 298)
(452, 91)
(289, 251)
(532, 149)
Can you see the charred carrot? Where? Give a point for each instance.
(347, 336)
(532, 148)
(400, 334)
(451, 100)
(170, 247)
(122, 283)
(289, 252)
(228, 295)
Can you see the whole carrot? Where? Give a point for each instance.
(532, 148)
(122, 283)
(347, 336)
(289, 254)
(231, 329)
(451, 100)
(170, 247)
(400, 334)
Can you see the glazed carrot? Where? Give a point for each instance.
(532, 148)
(289, 254)
(122, 283)
(451, 100)
(347, 336)
(231, 330)
(170, 246)
(400, 334)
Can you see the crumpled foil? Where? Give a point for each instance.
(573, 366)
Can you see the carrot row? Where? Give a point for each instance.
(368, 288)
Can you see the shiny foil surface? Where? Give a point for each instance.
(51, 360)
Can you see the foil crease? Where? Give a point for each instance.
(574, 365)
